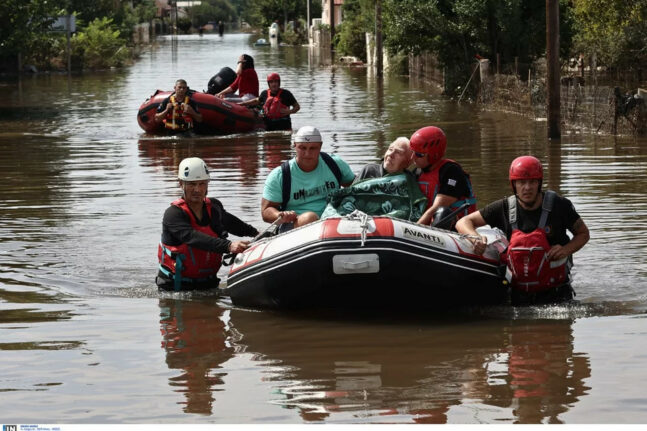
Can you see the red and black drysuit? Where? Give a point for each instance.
(201, 242)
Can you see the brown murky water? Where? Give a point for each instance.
(85, 337)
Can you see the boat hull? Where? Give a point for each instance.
(398, 264)
(218, 115)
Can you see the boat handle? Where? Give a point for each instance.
(356, 265)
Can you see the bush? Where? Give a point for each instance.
(99, 46)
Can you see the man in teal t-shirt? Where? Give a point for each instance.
(312, 174)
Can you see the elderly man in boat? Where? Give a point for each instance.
(387, 188)
(295, 193)
(397, 159)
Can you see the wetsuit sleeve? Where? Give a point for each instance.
(177, 229)
(231, 223)
(496, 214)
(453, 181)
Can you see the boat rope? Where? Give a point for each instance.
(363, 223)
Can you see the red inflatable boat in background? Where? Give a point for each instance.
(219, 116)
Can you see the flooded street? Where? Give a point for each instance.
(85, 336)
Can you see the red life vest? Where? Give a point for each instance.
(429, 185)
(272, 107)
(528, 267)
(195, 264)
(177, 119)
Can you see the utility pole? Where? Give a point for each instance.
(379, 64)
(332, 25)
(553, 69)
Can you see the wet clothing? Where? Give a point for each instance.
(309, 190)
(271, 105)
(449, 179)
(179, 230)
(246, 83)
(562, 217)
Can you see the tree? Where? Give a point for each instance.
(615, 31)
(22, 22)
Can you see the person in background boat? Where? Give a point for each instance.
(539, 219)
(397, 159)
(194, 233)
(246, 82)
(296, 191)
(221, 28)
(277, 104)
(178, 111)
(442, 180)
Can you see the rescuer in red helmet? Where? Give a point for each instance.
(532, 220)
(443, 181)
(277, 104)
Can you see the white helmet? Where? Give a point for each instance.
(193, 169)
(307, 134)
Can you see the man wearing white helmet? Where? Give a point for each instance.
(194, 233)
(296, 191)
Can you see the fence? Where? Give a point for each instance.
(589, 100)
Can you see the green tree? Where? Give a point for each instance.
(213, 10)
(99, 46)
(615, 31)
(350, 35)
(24, 22)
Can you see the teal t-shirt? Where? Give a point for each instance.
(309, 190)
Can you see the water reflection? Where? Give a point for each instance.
(523, 371)
(193, 338)
(241, 159)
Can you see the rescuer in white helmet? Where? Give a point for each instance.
(296, 191)
(194, 233)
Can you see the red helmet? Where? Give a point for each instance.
(274, 77)
(526, 168)
(430, 140)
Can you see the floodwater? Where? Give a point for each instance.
(85, 337)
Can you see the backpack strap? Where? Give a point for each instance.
(546, 207)
(332, 165)
(286, 184)
(512, 211)
(287, 177)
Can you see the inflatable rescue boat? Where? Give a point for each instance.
(367, 261)
(219, 116)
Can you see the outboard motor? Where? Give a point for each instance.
(221, 80)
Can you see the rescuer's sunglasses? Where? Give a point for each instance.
(420, 154)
